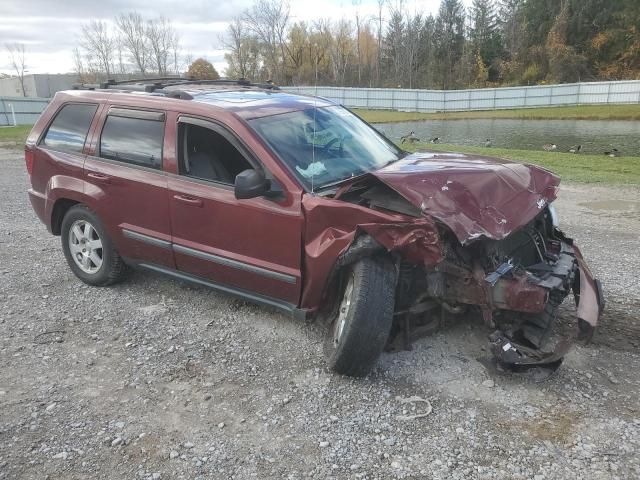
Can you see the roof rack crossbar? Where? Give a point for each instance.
(151, 85)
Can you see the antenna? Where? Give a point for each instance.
(313, 141)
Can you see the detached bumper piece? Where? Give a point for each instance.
(568, 272)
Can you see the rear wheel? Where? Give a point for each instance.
(359, 332)
(88, 249)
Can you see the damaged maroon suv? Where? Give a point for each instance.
(295, 202)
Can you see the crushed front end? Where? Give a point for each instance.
(517, 283)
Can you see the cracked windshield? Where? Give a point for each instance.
(325, 145)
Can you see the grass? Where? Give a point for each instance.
(582, 112)
(14, 136)
(571, 168)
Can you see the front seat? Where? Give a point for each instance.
(206, 166)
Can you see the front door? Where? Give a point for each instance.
(252, 246)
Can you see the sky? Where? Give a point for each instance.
(50, 28)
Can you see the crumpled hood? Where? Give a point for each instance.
(473, 195)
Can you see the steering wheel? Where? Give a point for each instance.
(330, 143)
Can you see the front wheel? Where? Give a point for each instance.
(359, 332)
(88, 248)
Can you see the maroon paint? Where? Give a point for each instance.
(127, 197)
(473, 195)
(298, 234)
(332, 225)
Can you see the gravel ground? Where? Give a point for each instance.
(154, 378)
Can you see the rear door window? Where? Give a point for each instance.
(68, 131)
(134, 140)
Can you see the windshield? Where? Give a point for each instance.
(325, 145)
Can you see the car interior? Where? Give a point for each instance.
(207, 155)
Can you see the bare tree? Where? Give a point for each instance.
(79, 65)
(357, 3)
(268, 20)
(244, 51)
(341, 50)
(175, 53)
(17, 58)
(134, 39)
(379, 57)
(100, 46)
(161, 37)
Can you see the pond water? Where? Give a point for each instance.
(595, 136)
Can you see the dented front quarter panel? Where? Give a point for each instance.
(473, 195)
(332, 226)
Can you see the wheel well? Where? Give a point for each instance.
(60, 209)
(363, 246)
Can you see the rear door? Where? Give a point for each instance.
(124, 174)
(252, 246)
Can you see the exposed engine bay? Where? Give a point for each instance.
(515, 283)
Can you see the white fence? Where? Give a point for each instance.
(21, 110)
(26, 110)
(480, 99)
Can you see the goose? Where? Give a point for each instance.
(549, 147)
(613, 153)
(488, 143)
(575, 149)
(410, 137)
(435, 140)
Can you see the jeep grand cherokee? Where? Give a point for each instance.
(295, 202)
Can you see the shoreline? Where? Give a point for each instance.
(630, 112)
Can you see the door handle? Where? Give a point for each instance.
(195, 202)
(99, 177)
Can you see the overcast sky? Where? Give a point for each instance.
(50, 28)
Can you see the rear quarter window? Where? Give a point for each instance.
(133, 140)
(69, 128)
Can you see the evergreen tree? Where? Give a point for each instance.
(485, 36)
(449, 40)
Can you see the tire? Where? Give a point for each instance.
(89, 250)
(359, 332)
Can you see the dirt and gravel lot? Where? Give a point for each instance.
(154, 378)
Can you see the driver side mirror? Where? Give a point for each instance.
(251, 184)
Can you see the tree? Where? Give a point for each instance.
(132, 44)
(484, 34)
(134, 39)
(357, 3)
(565, 64)
(268, 20)
(379, 37)
(449, 39)
(17, 59)
(498, 42)
(162, 40)
(99, 44)
(201, 69)
(341, 50)
(244, 57)
(412, 44)
(511, 23)
(426, 54)
(394, 43)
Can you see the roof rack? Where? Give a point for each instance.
(151, 85)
